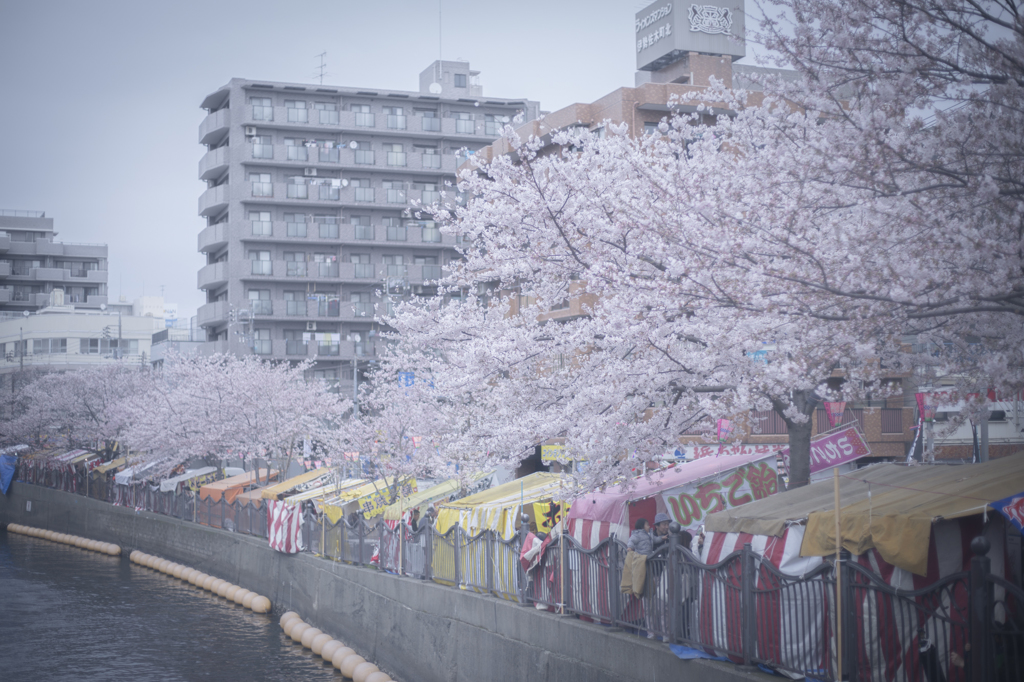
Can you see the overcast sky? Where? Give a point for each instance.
(101, 98)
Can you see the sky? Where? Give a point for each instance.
(101, 98)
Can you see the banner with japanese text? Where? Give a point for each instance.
(833, 449)
(690, 504)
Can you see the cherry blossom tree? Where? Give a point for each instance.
(241, 407)
(834, 225)
(79, 408)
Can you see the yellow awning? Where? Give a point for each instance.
(326, 491)
(498, 508)
(369, 498)
(273, 491)
(429, 496)
(113, 464)
(896, 519)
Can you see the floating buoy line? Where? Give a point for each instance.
(351, 664)
(222, 588)
(63, 538)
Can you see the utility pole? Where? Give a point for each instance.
(120, 353)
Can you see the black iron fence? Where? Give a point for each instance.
(967, 627)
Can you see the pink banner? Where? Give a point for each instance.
(834, 449)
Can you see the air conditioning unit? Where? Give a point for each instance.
(311, 326)
(250, 131)
(311, 172)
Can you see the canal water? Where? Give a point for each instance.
(70, 614)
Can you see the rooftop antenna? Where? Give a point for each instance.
(323, 66)
(435, 87)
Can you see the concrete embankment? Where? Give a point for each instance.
(419, 631)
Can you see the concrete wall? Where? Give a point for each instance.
(417, 631)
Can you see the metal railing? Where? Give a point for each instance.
(966, 627)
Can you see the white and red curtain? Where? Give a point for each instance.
(887, 642)
(284, 526)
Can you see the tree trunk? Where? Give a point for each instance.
(799, 435)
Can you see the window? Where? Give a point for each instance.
(295, 303)
(363, 190)
(327, 305)
(329, 190)
(261, 225)
(429, 120)
(328, 226)
(76, 268)
(651, 129)
(360, 343)
(262, 108)
(296, 223)
(49, 346)
(396, 231)
(363, 267)
(262, 147)
(361, 306)
(85, 346)
(395, 266)
(328, 112)
(293, 343)
(460, 80)
(296, 111)
(363, 116)
(429, 267)
(363, 228)
(325, 264)
(395, 154)
(261, 344)
(296, 149)
(295, 263)
(464, 122)
(364, 153)
(261, 185)
(430, 157)
(259, 302)
(329, 152)
(492, 125)
(431, 194)
(261, 264)
(431, 232)
(395, 191)
(297, 188)
(396, 117)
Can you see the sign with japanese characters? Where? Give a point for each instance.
(833, 449)
(689, 505)
(666, 33)
(690, 451)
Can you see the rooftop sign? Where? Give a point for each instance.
(666, 32)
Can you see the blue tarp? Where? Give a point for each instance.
(688, 654)
(7, 463)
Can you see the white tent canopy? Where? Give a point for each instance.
(171, 484)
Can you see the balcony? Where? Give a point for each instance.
(365, 120)
(261, 267)
(261, 306)
(213, 200)
(430, 125)
(5, 269)
(213, 163)
(5, 242)
(213, 275)
(214, 126)
(5, 295)
(212, 314)
(324, 270)
(48, 274)
(396, 122)
(213, 237)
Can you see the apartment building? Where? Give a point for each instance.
(310, 208)
(36, 270)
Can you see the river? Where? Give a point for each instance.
(66, 613)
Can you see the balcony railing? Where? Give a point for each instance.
(298, 115)
(364, 194)
(465, 126)
(431, 235)
(293, 347)
(295, 308)
(296, 229)
(892, 420)
(262, 228)
(263, 189)
(329, 155)
(430, 197)
(298, 191)
(362, 309)
(329, 193)
(262, 267)
(261, 113)
(364, 232)
(397, 233)
(326, 269)
(297, 153)
(363, 270)
(262, 347)
(329, 231)
(431, 125)
(396, 122)
(396, 158)
(365, 120)
(263, 151)
(431, 272)
(328, 117)
(364, 156)
(396, 271)
(295, 269)
(262, 307)
(431, 160)
(396, 196)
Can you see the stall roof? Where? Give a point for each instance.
(113, 464)
(169, 484)
(496, 507)
(271, 493)
(133, 472)
(610, 504)
(230, 488)
(325, 490)
(84, 456)
(71, 455)
(254, 497)
(895, 518)
(429, 496)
